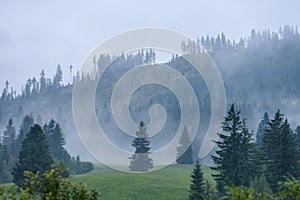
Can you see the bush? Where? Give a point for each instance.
(50, 185)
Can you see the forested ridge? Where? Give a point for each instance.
(260, 73)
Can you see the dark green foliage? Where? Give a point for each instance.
(280, 151)
(235, 161)
(80, 167)
(184, 151)
(248, 156)
(140, 161)
(197, 187)
(24, 129)
(245, 193)
(50, 185)
(298, 136)
(56, 139)
(34, 156)
(289, 189)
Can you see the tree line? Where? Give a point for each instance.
(35, 148)
(265, 168)
(256, 38)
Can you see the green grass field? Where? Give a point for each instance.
(171, 182)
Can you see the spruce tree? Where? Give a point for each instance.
(248, 156)
(26, 124)
(58, 147)
(197, 187)
(262, 128)
(234, 163)
(34, 155)
(56, 139)
(184, 151)
(57, 80)
(140, 161)
(9, 138)
(280, 151)
(298, 136)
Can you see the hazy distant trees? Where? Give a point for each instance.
(57, 80)
(9, 138)
(263, 126)
(184, 151)
(26, 124)
(43, 81)
(140, 161)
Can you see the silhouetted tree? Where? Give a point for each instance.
(140, 161)
(197, 187)
(280, 151)
(34, 155)
(234, 162)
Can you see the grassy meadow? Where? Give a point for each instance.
(171, 182)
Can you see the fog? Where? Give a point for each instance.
(40, 35)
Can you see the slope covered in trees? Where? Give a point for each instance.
(259, 72)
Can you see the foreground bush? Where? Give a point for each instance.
(50, 186)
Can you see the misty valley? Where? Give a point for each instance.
(44, 153)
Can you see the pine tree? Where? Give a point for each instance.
(58, 145)
(197, 187)
(55, 138)
(34, 155)
(140, 161)
(234, 162)
(184, 151)
(26, 124)
(9, 138)
(298, 136)
(280, 151)
(262, 128)
(248, 158)
(43, 81)
(57, 80)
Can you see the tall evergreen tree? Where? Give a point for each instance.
(248, 157)
(197, 187)
(34, 155)
(43, 81)
(280, 151)
(262, 128)
(233, 161)
(140, 161)
(55, 138)
(26, 124)
(298, 136)
(184, 151)
(57, 80)
(9, 138)
(58, 146)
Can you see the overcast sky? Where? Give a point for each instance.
(35, 35)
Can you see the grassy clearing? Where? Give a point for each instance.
(171, 182)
